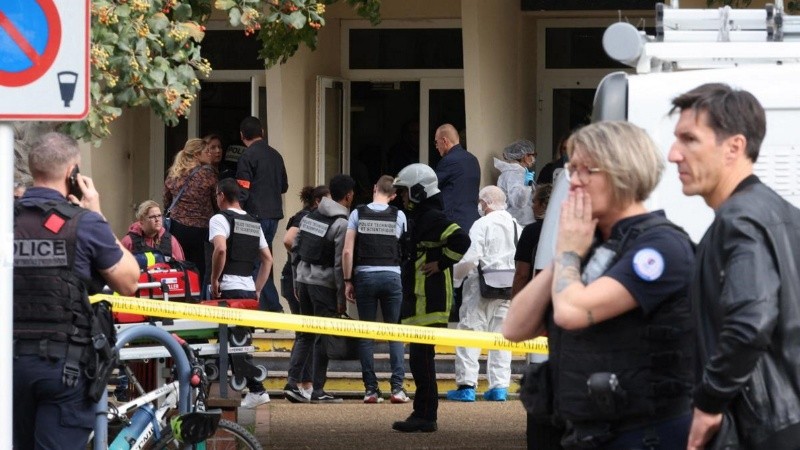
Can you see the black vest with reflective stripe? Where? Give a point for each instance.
(139, 245)
(316, 243)
(652, 356)
(50, 300)
(243, 240)
(377, 243)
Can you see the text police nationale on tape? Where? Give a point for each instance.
(322, 325)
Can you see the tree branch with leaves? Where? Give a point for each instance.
(147, 52)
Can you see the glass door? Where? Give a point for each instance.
(563, 106)
(571, 63)
(441, 101)
(332, 141)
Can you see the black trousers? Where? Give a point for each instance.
(423, 368)
(253, 385)
(322, 301)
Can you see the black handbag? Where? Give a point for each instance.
(493, 292)
(342, 348)
(489, 291)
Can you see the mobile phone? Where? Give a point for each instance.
(72, 182)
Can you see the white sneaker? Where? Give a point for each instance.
(254, 399)
(306, 392)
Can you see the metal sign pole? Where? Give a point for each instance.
(6, 279)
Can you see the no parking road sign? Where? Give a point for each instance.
(44, 59)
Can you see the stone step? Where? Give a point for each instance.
(349, 384)
(445, 363)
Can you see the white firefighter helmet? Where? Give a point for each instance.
(420, 180)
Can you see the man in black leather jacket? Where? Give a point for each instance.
(746, 286)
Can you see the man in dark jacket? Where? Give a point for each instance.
(459, 179)
(459, 176)
(438, 244)
(262, 176)
(746, 289)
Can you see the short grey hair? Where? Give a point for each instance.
(626, 155)
(51, 154)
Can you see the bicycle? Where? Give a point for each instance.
(154, 424)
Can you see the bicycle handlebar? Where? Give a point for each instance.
(183, 369)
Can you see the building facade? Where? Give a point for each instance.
(498, 70)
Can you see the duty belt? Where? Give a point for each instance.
(43, 347)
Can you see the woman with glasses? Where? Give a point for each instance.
(147, 239)
(620, 331)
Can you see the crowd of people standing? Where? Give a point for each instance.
(654, 343)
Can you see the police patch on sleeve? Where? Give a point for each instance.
(648, 264)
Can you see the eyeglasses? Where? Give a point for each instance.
(583, 173)
(155, 217)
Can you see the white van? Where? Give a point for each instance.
(679, 58)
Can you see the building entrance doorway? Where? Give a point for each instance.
(374, 128)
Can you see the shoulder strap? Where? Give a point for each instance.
(183, 188)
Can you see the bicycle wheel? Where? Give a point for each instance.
(229, 436)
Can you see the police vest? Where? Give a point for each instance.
(242, 242)
(146, 255)
(52, 316)
(139, 246)
(650, 357)
(377, 243)
(316, 244)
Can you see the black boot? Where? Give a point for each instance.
(413, 424)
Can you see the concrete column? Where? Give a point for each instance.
(492, 79)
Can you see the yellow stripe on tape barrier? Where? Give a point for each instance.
(322, 325)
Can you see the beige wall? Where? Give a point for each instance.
(119, 167)
(497, 88)
(291, 112)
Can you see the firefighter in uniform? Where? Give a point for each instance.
(238, 242)
(62, 253)
(438, 243)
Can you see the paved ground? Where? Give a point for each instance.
(354, 425)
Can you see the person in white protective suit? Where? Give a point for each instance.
(516, 179)
(493, 245)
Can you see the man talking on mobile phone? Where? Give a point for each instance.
(64, 250)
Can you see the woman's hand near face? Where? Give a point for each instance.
(576, 227)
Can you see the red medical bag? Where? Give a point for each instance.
(183, 283)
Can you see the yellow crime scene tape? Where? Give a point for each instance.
(322, 325)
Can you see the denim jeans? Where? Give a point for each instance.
(385, 289)
(269, 300)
